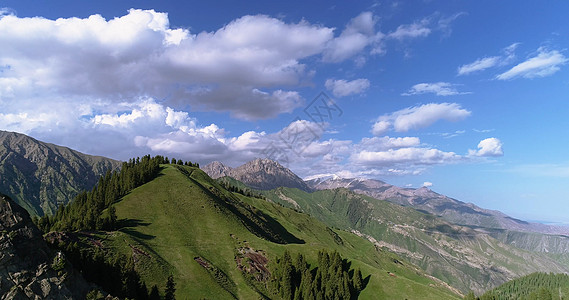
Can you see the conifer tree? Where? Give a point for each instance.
(169, 293)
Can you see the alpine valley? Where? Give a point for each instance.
(74, 226)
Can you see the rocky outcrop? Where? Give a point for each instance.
(217, 169)
(29, 269)
(40, 176)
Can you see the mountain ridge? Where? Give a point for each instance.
(42, 176)
(423, 198)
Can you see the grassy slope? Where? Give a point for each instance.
(174, 219)
(459, 255)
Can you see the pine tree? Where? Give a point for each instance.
(169, 293)
(154, 294)
(358, 281)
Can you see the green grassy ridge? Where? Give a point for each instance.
(175, 218)
(461, 256)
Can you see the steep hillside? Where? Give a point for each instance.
(28, 268)
(423, 198)
(219, 245)
(41, 176)
(467, 258)
(261, 174)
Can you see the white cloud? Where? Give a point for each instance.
(490, 62)
(437, 88)
(380, 127)
(427, 184)
(416, 156)
(342, 88)
(358, 34)
(419, 117)
(546, 63)
(139, 55)
(490, 147)
(409, 31)
(479, 65)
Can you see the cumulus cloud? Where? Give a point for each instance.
(358, 34)
(342, 88)
(427, 184)
(237, 68)
(546, 63)
(417, 117)
(490, 147)
(380, 127)
(437, 88)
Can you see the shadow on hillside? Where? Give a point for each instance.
(255, 220)
(278, 228)
(137, 234)
(128, 226)
(123, 223)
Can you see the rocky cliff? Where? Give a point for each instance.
(29, 269)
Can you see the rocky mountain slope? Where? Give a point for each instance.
(28, 268)
(261, 174)
(41, 176)
(452, 210)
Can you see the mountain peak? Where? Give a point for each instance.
(260, 173)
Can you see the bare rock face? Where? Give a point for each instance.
(217, 169)
(29, 269)
(41, 176)
(260, 174)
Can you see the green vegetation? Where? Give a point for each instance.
(536, 286)
(219, 244)
(331, 279)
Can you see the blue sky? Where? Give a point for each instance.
(466, 97)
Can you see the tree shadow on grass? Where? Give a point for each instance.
(123, 223)
(128, 226)
(137, 234)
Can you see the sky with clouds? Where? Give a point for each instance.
(466, 98)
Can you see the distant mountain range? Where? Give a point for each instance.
(41, 176)
(265, 174)
(424, 199)
(460, 243)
